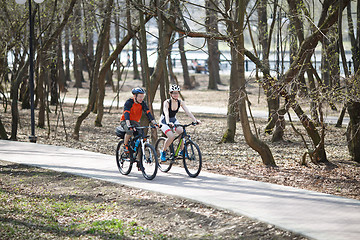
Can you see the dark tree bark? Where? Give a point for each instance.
(184, 64)
(265, 39)
(134, 59)
(60, 65)
(211, 23)
(15, 83)
(160, 71)
(3, 134)
(98, 56)
(67, 55)
(353, 86)
(54, 94)
(136, 73)
(76, 46)
(255, 143)
(101, 76)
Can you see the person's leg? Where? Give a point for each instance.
(126, 139)
(170, 135)
(170, 138)
(127, 135)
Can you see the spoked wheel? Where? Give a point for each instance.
(149, 162)
(123, 160)
(164, 166)
(192, 159)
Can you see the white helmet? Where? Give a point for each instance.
(174, 88)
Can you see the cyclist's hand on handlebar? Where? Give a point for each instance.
(133, 128)
(153, 122)
(196, 122)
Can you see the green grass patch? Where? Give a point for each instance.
(25, 215)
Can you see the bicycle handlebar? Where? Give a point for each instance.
(183, 125)
(143, 127)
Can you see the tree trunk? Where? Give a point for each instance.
(76, 46)
(184, 64)
(109, 81)
(173, 78)
(54, 94)
(14, 100)
(253, 142)
(143, 53)
(40, 88)
(105, 67)
(98, 56)
(160, 71)
(136, 74)
(60, 65)
(67, 55)
(264, 39)
(211, 23)
(163, 52)
(101, 84)
(353, 130)
(233, 109)
(134, 59)
(3, 134)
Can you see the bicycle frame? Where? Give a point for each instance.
(191, 156)
(183, 137)
(147, 163)
(132, 141)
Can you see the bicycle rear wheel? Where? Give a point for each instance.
(164, 166)
(149, 162)
(123, 160)
(192, 159)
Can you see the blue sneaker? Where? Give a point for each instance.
(163, 156)
(182, 152)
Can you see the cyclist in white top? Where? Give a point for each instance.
(168, 118)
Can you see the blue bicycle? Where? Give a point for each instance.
(141, 152)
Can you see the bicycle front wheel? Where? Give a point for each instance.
(164, 166)
(123, 160)
(192, 159)
(149, 162)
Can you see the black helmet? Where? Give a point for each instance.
(138, 90)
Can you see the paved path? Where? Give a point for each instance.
(214, 110)
(315, 215)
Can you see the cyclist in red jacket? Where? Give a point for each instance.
(133, 109)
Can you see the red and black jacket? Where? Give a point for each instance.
(133, 110)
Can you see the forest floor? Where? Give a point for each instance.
(342, 178)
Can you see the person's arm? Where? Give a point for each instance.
(127, 108)
(187, 111)
(166, 111)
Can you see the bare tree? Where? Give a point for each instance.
(211, 23)
(353, 88)
(98, 56)
(239, 48)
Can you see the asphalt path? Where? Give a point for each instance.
(315, 215)
(211, 110)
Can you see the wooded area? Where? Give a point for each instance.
(77, 41)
